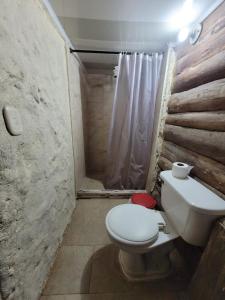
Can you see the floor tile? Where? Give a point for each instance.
(71, 271)
(66, 297)
(61, 297)
(106, 277)
(88, 222)
(80, 297)
(87, 266)
(156, 295)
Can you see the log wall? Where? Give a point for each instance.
(195, 125)
(194, 133)
(209, 280)
(205, 61)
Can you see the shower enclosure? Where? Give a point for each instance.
(118, 122)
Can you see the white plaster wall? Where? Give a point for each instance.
(37, 194)
(76, 99)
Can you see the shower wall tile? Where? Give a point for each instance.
(98, 118)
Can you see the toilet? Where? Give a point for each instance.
(145, 236)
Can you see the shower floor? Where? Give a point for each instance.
(91, 184)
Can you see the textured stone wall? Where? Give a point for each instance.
(36, 168)
(98, 118)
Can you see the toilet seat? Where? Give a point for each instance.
(132, 224)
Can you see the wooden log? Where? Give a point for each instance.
(206, 71)
(221, 195)
(213, 21)
(207, 97)
(208, 281)
(207, 143)
(201, 120)
(212, 43)
(208, 170)
(164, 163)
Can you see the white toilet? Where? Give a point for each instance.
(145, 236)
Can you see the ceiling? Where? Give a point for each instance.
(132, 25)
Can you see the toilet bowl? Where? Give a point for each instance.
(145, 236)
(138, 231)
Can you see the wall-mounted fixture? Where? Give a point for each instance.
(195, 33)
(12, 120)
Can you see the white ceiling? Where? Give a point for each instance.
(123, 10)
(136, 25)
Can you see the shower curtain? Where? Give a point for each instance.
(130, 135)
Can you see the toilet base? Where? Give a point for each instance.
(145, 267)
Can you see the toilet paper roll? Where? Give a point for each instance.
(181, 170)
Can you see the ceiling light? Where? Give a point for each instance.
(184, 16)
(183, 34)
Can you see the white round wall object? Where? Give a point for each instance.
(195, 33)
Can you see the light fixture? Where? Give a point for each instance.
(183, 34)
(183, 18)
(195, 33)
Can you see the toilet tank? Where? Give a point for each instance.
(190, 207)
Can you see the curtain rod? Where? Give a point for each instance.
(96, 51)
(102, 52)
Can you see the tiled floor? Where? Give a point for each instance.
(87, 268)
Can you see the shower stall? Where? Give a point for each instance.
(121, 120)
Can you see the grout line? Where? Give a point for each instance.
(91, 271)
(137, 292)
(87, 245)
(103, 293)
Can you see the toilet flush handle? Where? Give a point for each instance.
(163, 227)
